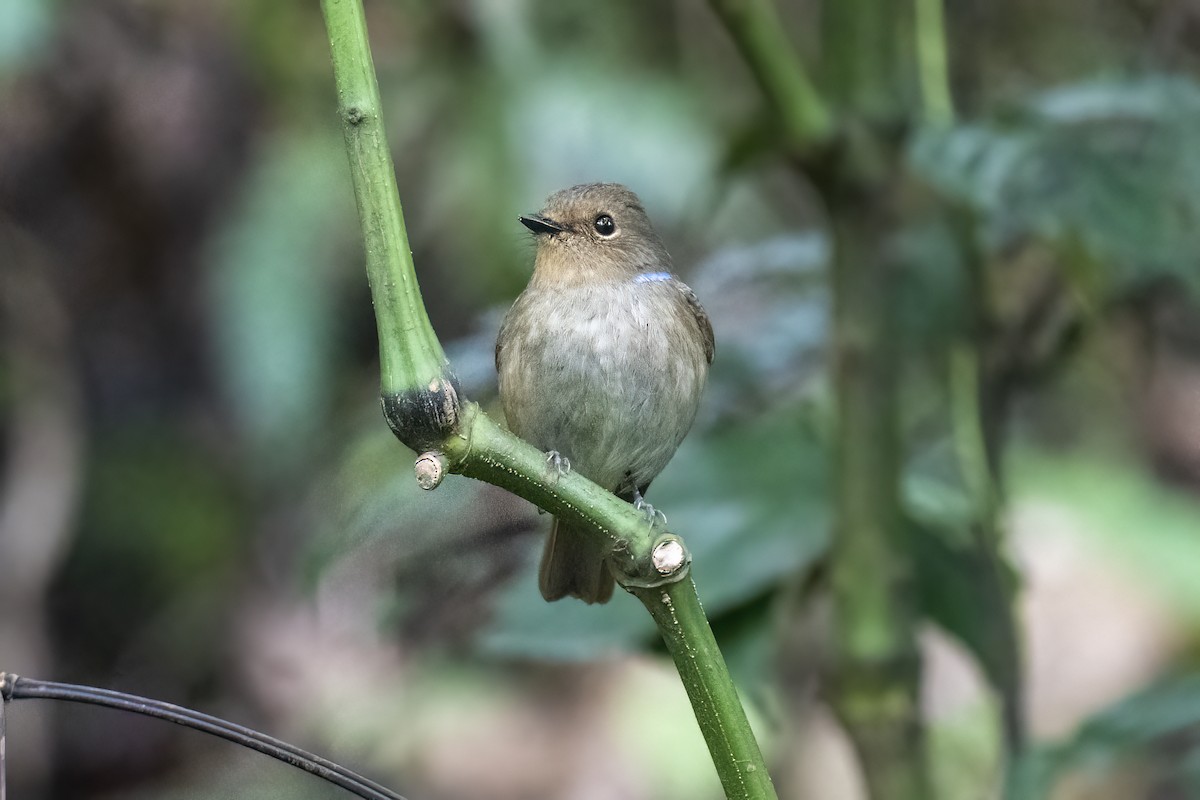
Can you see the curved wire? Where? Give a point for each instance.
(13, 687)
(4, 697)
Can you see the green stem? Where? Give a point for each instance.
(863, 59)
(484, 450)
(410, 355)
(932, 68)
(978, 407)
(760, 37)
(689, 639)
(876, 665)
(423, 408)
(996, 587)
(876, 662)
(967, 424)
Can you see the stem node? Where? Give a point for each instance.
(423, 417)
(669, 562)
(431, 468)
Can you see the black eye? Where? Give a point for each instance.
(604, 225)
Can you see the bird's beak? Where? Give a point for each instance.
(539, 224)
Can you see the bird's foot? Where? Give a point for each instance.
(559, 465)
(652, 514)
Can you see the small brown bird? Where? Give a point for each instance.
(602, 360)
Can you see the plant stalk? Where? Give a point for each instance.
(410, 355)
(685, 630)
(932, 62)
(423, 408)
(876, 668)
(759, 35)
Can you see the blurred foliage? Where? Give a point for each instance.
(1110, 166)
(174, 168)
(274, 295)
(1153, 735)
(1148, 526)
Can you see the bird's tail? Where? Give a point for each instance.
(573, 563)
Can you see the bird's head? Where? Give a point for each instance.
(592, 233)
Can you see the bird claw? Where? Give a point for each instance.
(561, 465)
(652, 514)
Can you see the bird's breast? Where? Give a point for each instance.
(610, 376)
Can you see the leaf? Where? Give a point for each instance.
(273, 291)
(967, 589)
(430, 559)
(1112, 167)
(1159, 726)
(930, 309)
(25, 28)
(770, 311)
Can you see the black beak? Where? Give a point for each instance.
(539, 224)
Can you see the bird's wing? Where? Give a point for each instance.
(701, 317)
(501, 336)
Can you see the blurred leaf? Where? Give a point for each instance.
(373, 496)
(428, 563)
(930, 293)
(25, 28)
(1112, 167)
(273, 294)
(752, 513)
(770, 312)
(1159, 726)
(967, 589)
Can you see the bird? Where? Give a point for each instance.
(602, 362)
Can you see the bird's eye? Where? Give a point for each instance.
(604, 225)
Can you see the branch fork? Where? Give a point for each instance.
(424, 408)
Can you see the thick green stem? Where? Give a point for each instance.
(681, 621)
(970, 444)
(410, 356)
(483, 450)
(876, 665)
(932, 62)
(760, 37)
(863, 59)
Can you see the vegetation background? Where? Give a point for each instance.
(199, 501)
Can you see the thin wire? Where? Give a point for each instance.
(4, 697)
(29, 689)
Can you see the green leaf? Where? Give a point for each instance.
(1111, 167)
(967, 589)
(1158, 727)
(429, 564)
(274, 296)
(25, 30)
(770, 310)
